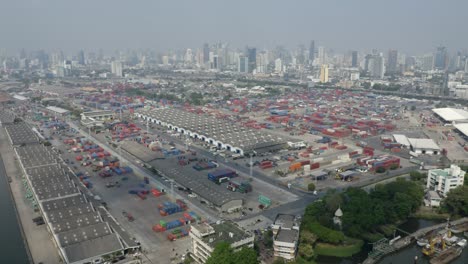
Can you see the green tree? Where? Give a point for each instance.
(311, 187)
(456, 202)
(415, 175)
(223, 253)
(268, 239)
(306, 251)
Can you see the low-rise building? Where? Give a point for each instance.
(444, 180)
(433, 199)
(285, 236)
(95, 118)
(205, 237)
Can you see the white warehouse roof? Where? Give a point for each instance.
(423, 143)
(451, 114)
(57, 109)
(462, 128)
(402, 139)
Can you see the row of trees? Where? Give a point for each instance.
(223, 253)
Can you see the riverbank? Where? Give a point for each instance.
(38, 241)
(410, 239)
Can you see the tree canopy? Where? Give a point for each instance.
(456, 202)
(223, 253)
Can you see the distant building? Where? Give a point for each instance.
(324, 73)
(376, 66)
(441, 58)
(116, 68)
(311, 52)
(252, 55)
(444, 180)
(206, 53)
(243, 64)
(278, 66)
(96, 118)
(321, 56)
(81, 58)
(392, 63)
(205, 237)
(285, 236)
(354, 59)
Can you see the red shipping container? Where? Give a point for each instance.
(314, 165)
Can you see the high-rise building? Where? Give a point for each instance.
(354, 59)
(206, 53)
(243, 64)
(321, 56)
(324, 73)
(262, 62)
(392, 63)
(466, 65)
(376, 66)
(311, 52)
(427, 62)
(278, 66)
(252, 55)
(215, 62)
(188, 56)
(116, 68)
(441, 58)
(81, 58)
(165, 60)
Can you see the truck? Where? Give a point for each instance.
(324, 140)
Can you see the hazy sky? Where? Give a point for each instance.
(414, 26)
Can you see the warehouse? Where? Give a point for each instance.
(424, 146)
(402, 140)
(462, 129)
(78, 230)
(21, 133)
(451, 115)
(220, 133)
(57, 111)
(96, 118)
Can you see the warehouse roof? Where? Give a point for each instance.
(96, 246)
(21, 133)
(57, 109)
(423, 143)
(218, 130)
(402, 139)
(463, 128)
(36, 155)
(6, 117)
(451, 114)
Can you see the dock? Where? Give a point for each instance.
(411, 238)
(447, 256)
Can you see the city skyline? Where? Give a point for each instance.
(407, 27)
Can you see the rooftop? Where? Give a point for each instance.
(289, 236)
(57, 109)
(21, 133)
(451, 114)
(463, 128)
(285, 221)
(423, 143)
(36, 155)
(96, 246)
(225, 232)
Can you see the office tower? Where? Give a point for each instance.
(206, 53)
(376, 66)
(252, 55)
(116, 68)
(466, 65)
(311, 52)
(321, 56)
(392, 63)
(324, 73)
(262, 62)
(188, 56)
(427, 62)
(354, 59)
(165, 60)
(243, 64)
(278, 66)
(215, 62)
(81, 58)
(409, 63)
(441, 58)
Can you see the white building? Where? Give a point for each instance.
(424, 146)
(444, 180)
(433, 199)
(116, 68)
(96, 118)
(278, 66)
(205, 237)
(377, 66)
(285, 236)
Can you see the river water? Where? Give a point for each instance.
(403, 256)
(11, 241)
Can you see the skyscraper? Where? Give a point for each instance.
(311, 52)
(278, 66)
(376, 66)
(116, 68)
(441, 58)
(427, 62)
(392, 63)
(252, 55)
(324, 73)
(206, 53)
(81, 57)
(354, 59)
(243, 64)
(321, 56)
